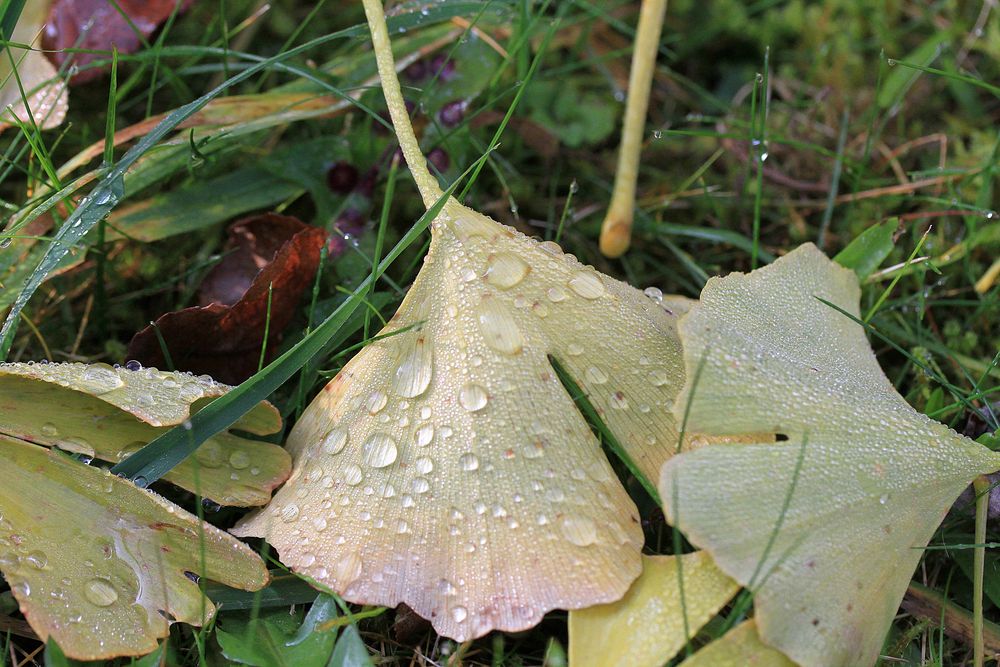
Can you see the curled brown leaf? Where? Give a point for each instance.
(255, 287)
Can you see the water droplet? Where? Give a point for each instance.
(533, 450)
(49, 430)
(423, 435)
(133, 365)
(421, 485)
(498, 327)
(319, 523)
(37, 559)
(290, 513)
(658, 378)
(239, 460)
(468, 461)
(472, 397)
(413, 375)
(657, 134)
(459, 614)
(353, 475)
(424, 465)
(654, 293)
(556, 294)
(100, 592)
(5, 242)
(210, 454)
(379, 450)
(99, 379)
(376, 401)
(596, 375)
(335, 440)
(587, 285)
(580, 530)
(506, 270)
(551, 247)
(618, 401)
(348, 568)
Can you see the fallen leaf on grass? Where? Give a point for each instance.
(224, 338)
(101, 566)
(827, 527)
(99, 25)
(445, 466)
(45, 92)
(110, 413)
(646, 628)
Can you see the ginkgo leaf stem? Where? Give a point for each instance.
(616, 232)
(982, 488)
(430, 190)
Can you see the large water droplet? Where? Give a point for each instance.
(239, 460)
(506, 270)
(498, 327)
(468, 461)
(587, 285)
(210, 454)
(290, 513)
(379, 450)
(100, 592)
(421, 485)
(472, 397)
(413, 374)
(596, 375)
(459, 614)
(49, 430)
(348, 568)
(423, 435)
(37, 559)
(579, 530)
(424, 465)
(353, 475)
(376, 401)
(556, 294)
(335, 440)
(99, 379)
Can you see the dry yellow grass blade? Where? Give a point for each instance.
(648, 626)
(446, 466)
(616, 231)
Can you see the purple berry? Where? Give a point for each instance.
(452, 113)
(439, 159)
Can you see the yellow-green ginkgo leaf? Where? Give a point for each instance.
(40, 85)
(101, 566)
(109, 413)
(826, 527)
(446, 466)
(740, 647)
(651, 623)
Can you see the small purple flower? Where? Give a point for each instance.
(439, 159)
(452, 113)
(341, 177)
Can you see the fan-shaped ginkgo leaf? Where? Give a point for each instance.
(445, 466)
(825, 528)
(652, 622)
(109, 413)
(35, 81)
(101, 566)
(740, 647)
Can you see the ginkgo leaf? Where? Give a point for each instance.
(652, 622)
(446, 467)
(40, 85)
(101, 566)
(110, 413)
(825, 528)
(740, 647)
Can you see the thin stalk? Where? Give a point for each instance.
(982, 487)
(616, 232)
(430, 190)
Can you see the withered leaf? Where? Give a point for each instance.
(98, 25)
(224, 338)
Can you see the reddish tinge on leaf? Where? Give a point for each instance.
(99, 25)
(224, 337)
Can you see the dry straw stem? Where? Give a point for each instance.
(445, 466)
(616, 232)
